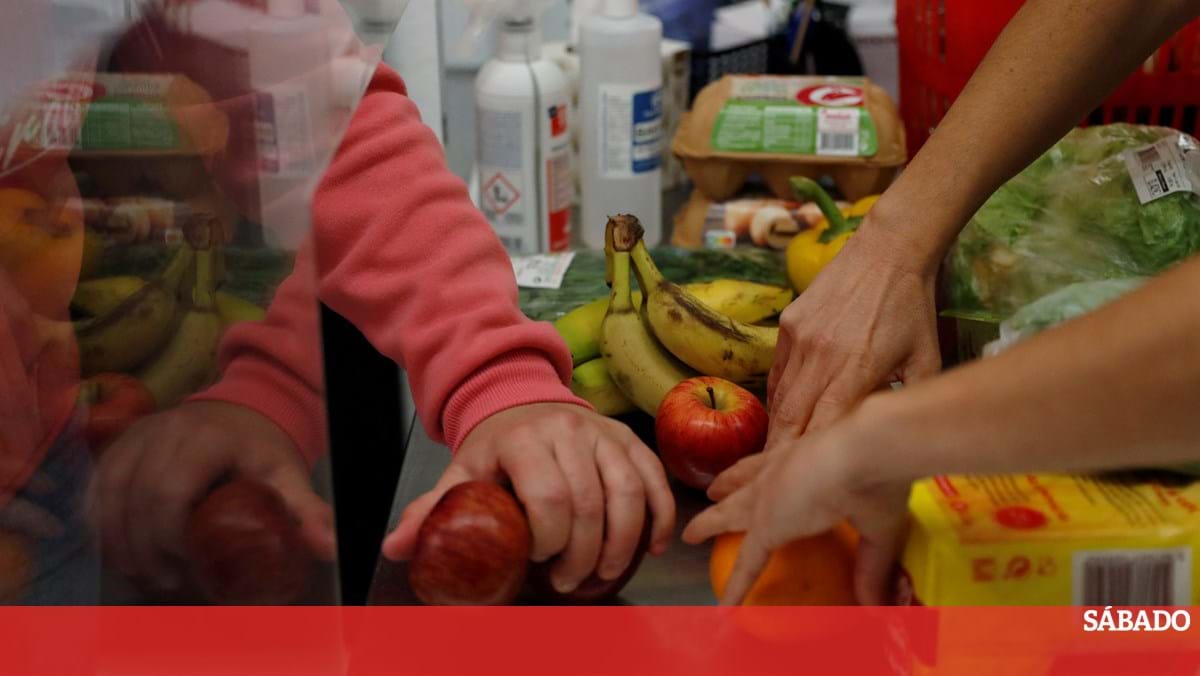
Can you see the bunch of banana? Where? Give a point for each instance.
(124, 320)
(674, 335)
(708, 341)
(188, 360)
(591, 382)
(747, 302)
(639, 365)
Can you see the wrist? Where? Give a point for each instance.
(881, 449)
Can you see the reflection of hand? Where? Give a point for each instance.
(583, 479)
(151, 477)
(807, 488)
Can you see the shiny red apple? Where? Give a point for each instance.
(704, 425)
(472, 549)
(594, 589)
(114, 401)
(245, 548)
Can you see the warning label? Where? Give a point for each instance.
(499, 194)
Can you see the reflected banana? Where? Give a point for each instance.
(133, 329)
(188, 361)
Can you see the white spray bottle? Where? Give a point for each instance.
(620, 108)
(523, 144)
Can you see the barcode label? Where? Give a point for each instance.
(837, 131)
(836, 143)
(1132, 577)
(1147, 157)
(1161, 169)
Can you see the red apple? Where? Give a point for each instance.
(472, 549)
(114, 402)
(704, 425)
(245, 548)
(594, 589)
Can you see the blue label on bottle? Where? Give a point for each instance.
(647, 131)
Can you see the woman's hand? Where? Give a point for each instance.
(808, 487)
(867, 321)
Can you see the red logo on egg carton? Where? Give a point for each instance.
(832, 96)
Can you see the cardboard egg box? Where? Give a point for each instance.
(777, 127)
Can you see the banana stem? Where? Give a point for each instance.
(177, 268)
(648, 275)
(622, 296)
(202, 292)
(811, 190)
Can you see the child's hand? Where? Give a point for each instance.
(807, 488)
(584, 480)
(150, 478)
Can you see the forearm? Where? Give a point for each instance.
(1115, 388)
(1053, 64)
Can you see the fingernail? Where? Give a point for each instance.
(563, 586)
(610, 572)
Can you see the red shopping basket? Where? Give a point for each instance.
(943, 41)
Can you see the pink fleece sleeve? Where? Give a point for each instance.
(402, 254)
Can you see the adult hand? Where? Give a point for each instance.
(151, 477)
(867, 321)
(807, 488)
(585, 482)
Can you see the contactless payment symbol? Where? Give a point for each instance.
(499, 194)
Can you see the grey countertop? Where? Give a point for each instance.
(678, 577)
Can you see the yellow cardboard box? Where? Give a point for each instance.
(1037, 539)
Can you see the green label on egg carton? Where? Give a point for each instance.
(128, 124)
(796, 116)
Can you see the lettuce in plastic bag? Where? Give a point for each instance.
(1069, 302)
(1072, 216)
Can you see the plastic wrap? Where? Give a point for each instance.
(1072, 216)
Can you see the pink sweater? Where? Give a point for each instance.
(403, 254)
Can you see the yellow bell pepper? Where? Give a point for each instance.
(810, 251)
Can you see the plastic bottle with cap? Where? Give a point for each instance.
(523, 144)
(620, 101)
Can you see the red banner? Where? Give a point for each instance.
(621, 640)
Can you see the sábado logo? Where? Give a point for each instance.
(1126, 619)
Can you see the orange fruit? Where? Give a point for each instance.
(814, 571)
(41, 249)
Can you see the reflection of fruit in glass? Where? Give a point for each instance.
(41, 247)
(814, 571)
(245, 548)
(16, 565)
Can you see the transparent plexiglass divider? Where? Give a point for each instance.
(161, 399)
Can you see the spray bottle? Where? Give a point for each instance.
(523, 148)
(620, 106)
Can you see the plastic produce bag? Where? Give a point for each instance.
(1072, 216)
(1067, 303)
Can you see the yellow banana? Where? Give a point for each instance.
(132, 329)
(699, 336)
(235, 309)
(748, 302)
(590, 381)
(188, 361)
(636, 362)
(97, 297)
